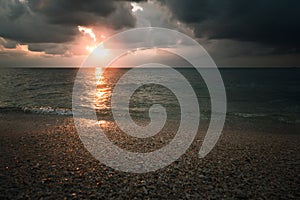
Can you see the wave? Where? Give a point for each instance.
(248, 115)
(289, 121)
(46, 110)
(285, 118)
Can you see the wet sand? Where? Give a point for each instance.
(42, 157)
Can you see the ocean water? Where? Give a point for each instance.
(251, 92)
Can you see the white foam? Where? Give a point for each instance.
(48, 110)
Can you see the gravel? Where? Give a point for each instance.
(42, 157)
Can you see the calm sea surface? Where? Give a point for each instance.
(251, 93)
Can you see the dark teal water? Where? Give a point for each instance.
(264, 92)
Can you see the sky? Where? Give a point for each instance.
(235, 33)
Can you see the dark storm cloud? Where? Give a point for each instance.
(48, 48)
(9, 44)
(57, 20)
(73, 12)
(268, 22)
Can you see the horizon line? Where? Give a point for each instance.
(128, 67)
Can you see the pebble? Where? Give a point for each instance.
(53, 164)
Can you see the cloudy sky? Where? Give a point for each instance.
(234, 32)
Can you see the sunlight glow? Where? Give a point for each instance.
(102, 93)
(99, 82)
(101, 51)
(98, 74)
(22, 47)
(101, 122)
(91, 45)
(23, 1)
(87, 31)
(90, 48)
(136, 7)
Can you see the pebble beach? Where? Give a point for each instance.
(42, 157)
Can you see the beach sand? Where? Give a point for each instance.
(42, 157)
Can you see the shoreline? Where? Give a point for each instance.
(43, 157)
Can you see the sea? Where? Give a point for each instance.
(251, 92)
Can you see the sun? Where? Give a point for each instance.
(90, 49)
(91, 44)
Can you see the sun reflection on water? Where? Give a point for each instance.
(103, 91)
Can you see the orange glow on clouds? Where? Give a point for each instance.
(84, 44)
(90, 48)
(20, 49)
(87, 31)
